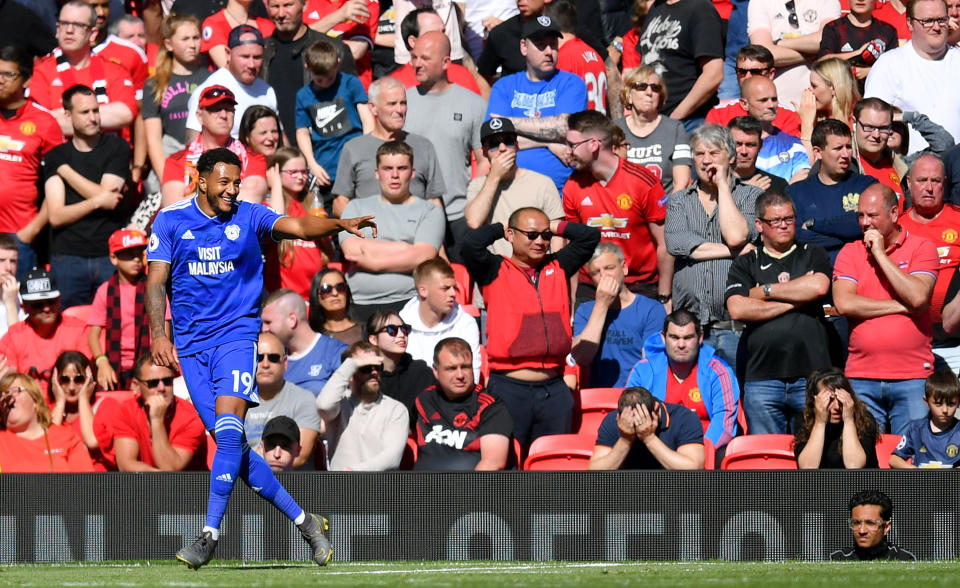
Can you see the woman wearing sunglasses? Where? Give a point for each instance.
(658, 142)
(29, 441)
(330, 307)
(403, 377)
(73, 392)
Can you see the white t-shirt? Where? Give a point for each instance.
(259, 92)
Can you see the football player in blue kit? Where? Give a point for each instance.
(208, 249)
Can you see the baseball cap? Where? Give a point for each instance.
(126, 239)
(538, 27)
(238, 31)
(214, 95)
(496, 126)
(282, 426)
(38, 284)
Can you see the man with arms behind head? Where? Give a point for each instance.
(870, 513)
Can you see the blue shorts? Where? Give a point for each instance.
(224, 370)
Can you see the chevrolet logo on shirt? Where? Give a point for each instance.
(8, 144)
(606, 221)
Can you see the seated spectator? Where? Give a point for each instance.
(434, 313)
(403, 377)
(781, 154)
(330, 110)
(32, 345)
(111, 47)
(280, 443)
(215, 111)
(654, 141)
(832, 94)
(366, 430)
(75, 402)
(609, 331)
(118, 313)
(929, 442)
(11, 313)
(330, 302)
(507, 187)
(459, 425)
(837, 430)
(260, 130)
(647, 434)
(154, 430)
(312, 356)
(217, 29)
(748, 137)
(278, 397)
(410, 231)
(679, 368)
(870, 514)
(29, 442)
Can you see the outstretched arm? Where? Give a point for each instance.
(311, 228)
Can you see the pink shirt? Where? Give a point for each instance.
(892, 347)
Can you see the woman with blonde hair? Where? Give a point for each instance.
(832, 93)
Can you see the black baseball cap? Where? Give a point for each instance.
(538, 27)
(281, 426)
(238, 31)
(496, 126)
(38, 284)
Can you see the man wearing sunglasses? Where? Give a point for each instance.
(154, 430)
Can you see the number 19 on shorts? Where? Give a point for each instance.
(242, 378)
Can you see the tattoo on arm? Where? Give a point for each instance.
(551, 129)
(155, 300)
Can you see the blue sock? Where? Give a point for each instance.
(258, 475)
(226, 466)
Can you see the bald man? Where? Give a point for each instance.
(451, 117)
(781, 154)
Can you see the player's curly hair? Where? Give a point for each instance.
(833, 379)
(211, 158)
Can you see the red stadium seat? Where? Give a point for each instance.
(595, 403)
(559, 453)
(81, 312)
(709, 455)
(409, 454)
(885, 447)
(335, 265)
(517, 454)
(484, 366)
(760, 452)
(464, 283)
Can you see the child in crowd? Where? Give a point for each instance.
(118, 311)
(934, 441)
(327, 114)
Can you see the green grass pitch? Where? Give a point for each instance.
(234, 574)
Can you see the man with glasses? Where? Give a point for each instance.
(873, 123)
(779, 290)
(870, 514)
(154, 431)
(313, 356)
(921, 75)
(507, 187)
(280, 397)
(528, 315)
(366, 429)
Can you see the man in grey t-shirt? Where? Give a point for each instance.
(279, 397)
(355, 171)
(409, 231)
(450, 116)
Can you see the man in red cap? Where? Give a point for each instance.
(215, 111)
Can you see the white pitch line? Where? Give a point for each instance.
(484, 569)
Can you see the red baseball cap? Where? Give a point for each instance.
(214, 95)
(126, 239)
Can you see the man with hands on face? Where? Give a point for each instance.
(647, 434)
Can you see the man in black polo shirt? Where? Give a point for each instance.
(779, 291)
(459, 425)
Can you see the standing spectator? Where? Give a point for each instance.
(683, 42)
(450, 26)
(425, 20)
(577, 57)
(410, 231)
(538, 100)
(609, 330)
(84, 188)
(117, 50)
(30, 27)
(528, 315)
(779, 290)
(707, 226)
(883, 285)
(747, 135)
(353, 21)
(858, 38)
(502, 52)
(23, 155)
(72, 63)
(920, 75)
(791, 31)
(330, 302)
(928, 442)
(280, 397)
(873, 122)
(10, 313)
(312, 356)
(481, 17)
(623, 200)
(356, 171)
(655, 141)
(781, 154)
(837, 429)
(870, 513)
(218, 27)
(366, 430)
(450, 117)
(402, 377)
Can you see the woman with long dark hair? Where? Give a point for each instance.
(330, 303)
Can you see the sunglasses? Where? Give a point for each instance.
(546, 235)
(644, 85)
(218, 93)
(38, 304)
(792, 16)
(754, 71)
(271, 357)
(328, 289)
(505, 140)
(392, 330)
(168, 381)
(368, 369)
(75, 379)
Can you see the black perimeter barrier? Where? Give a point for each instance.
(611, 516)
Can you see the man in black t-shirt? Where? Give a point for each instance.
(779, 290)
(459, 425)
(84, 188)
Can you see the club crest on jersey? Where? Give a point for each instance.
(154, 242)
(624, 201)
(949, 236)
(28, 127)
(232, 232)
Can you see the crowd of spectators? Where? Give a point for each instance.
(744, 215)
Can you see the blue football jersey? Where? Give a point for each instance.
(216, 271)
(929, 448)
